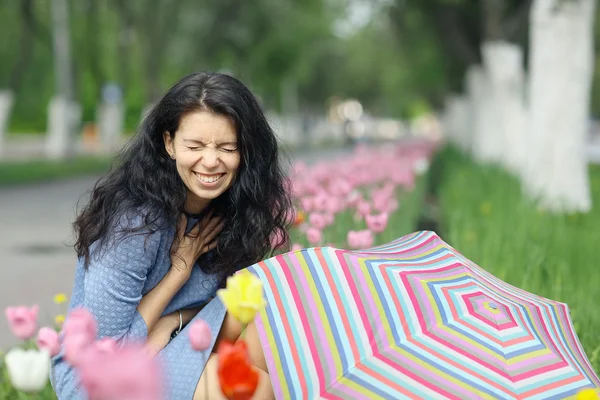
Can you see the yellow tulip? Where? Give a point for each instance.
(60, 298)
(588, 394)
(59, 319)
(243, 296)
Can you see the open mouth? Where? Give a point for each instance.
(212, 178)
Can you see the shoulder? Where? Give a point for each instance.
(135, 234)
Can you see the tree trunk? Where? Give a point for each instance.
(481, 123)
(456, 122)
(6, 103)
(61, 113)
(504, 65)
(561, 67)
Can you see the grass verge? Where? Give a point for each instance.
(484, 215)
(28, 172)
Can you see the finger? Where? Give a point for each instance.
(212, 225)
(209, 247)
(208, 216)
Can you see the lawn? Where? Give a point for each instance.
(484, 216)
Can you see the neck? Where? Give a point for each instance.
(195, 206)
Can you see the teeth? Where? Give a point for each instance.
(209, 179)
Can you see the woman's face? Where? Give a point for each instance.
(205, 151)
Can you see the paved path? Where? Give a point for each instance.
(36, 260)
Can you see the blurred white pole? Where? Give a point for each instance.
(60, 132)
(561, 68)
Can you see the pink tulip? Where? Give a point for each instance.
(363, 207)
(329, 218)
(106, 345)
(382, 202)
(80, 332)
(317, 220)
(296, 247)
(200, 335)
(48, 340)
(360, 239)
(320, 202)
(129, 373)
(353, 198)
(340, 187)
(22, 321)
(334, 205)
(314, 236)
(377, 223)
(307, 204)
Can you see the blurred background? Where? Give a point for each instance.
(507, 89)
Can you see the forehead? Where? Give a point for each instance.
(206, 126)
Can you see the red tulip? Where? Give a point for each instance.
(237, 378)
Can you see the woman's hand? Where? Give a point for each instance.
(160, 335)
(199, 240)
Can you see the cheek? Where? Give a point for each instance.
(233, 164)
(187, 161)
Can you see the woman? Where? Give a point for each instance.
(197, 195)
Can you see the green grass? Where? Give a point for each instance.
(484, 215)
(28, 172)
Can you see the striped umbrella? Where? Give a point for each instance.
(411, 319)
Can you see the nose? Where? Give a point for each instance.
(210, 158)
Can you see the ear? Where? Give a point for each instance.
(169, 146)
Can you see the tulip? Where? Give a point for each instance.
(106, 345)
(243, 296)
(317, 220)
(200, 335)
(297, 247)
(237, 378)
(48, 340)
(314, 236)
(340, 187)
(299, 218)
(377, 223)
(320, 202)
(360, 239)
(80, 332)
(22, 321)
(588, 394)
(329, 218)
(307, 204)
(28, 370)
(363, 207)
(128, 373)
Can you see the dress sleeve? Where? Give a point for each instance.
(114, 282)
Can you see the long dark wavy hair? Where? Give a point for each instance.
(144, 181)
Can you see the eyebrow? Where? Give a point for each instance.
(234, 143)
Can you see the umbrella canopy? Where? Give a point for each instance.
(411, 319)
